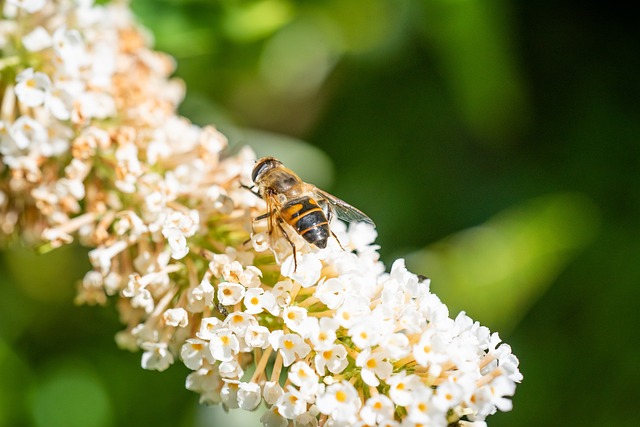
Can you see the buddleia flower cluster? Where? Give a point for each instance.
(93, 151)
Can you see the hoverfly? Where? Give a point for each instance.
(306, 208)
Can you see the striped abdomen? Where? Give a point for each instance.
(308, 219)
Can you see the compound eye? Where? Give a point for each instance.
(259, 168)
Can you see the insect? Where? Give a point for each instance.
(306, 208)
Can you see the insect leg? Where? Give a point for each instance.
(255, 193)
(258, 218)
(337, 240)
(329, 217)
(293, 246)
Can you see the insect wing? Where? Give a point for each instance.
(342, 209)
(272, 212)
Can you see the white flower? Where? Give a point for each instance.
(177, 227)
(207, 382)
(402, 386)
(307, 381)
(260, 241)
(95, 104)
(323, 334)
(138, 293)
(32, 87)
(362, 236)
(176, 317)
(194, 352)
(256, 300)
(101, 257)
(250, 277)
(230, 370)
(431, 349)
(293, 316)
(331, 292)
(272, 418)
(396, 345)
(499, 390)
(272, 392)
(374, 366)
(27, 132)
(292, 403)
(38, 39)
(507, 361)
(353, 310)
(377, 410)
(257, 336)
(238, 322)
(70, 49)
(448, 395)
(208, 326)
(200, 297)
(307, 419)
(224, 345)
(289, 345)
(340, 401)
(370, 330)
(422, 411)
(229, 393)
(307, 272)
(333, 359)
(230, 293)
(248, 396)
(156, 356)
(281, 291)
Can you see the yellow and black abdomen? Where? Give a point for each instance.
(308, 219)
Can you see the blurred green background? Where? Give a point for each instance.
(496, 144)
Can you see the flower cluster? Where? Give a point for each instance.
(92, 149)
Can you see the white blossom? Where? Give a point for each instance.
(176, 317)
(224, 345)
(291, 346)
(374, 366)
(249, 396)
(195, 352)
(200, 296)
(156, 356)
(32, 87)
(333, 359)
(341, 401)
(230, 293)
(38, 39)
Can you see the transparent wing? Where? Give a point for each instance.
(342, 209)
